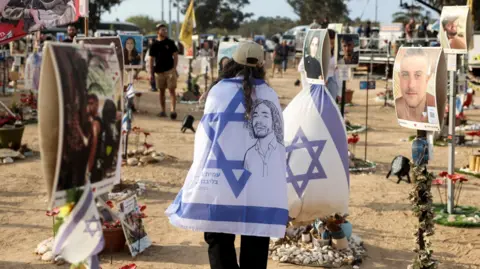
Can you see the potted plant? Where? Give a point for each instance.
(335, 231)
(348, 96)
(112, 231)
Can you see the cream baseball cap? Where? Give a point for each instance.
(249, 53)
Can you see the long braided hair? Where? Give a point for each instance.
(233, 69)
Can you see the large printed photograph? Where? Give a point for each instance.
(316, 55)
(415, 89)
(348, 50)
(91, 113)
(19, 17)
(106, 41)
(133, 228)
(132, 51)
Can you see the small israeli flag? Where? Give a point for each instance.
(80, 238)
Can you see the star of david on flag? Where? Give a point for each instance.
(317, 155)
(80, 238)
(221, 162)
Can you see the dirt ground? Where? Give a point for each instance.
(379, 208)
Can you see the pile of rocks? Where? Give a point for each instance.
(142, 156)
(463, 218)
(309, 255)
(44, 251)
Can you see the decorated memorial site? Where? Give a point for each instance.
(336, 144)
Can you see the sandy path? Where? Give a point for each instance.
(380, 210)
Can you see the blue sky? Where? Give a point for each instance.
(259, 7)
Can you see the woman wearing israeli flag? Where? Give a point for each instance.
(237, 182)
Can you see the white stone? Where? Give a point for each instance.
(284, 258)
(47, 256)
(59, 260)
(42, 249)
(7, 160)
(356, 267)
(307, 260)
(132, 161)
(275, 258)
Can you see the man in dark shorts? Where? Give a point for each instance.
(164, 53)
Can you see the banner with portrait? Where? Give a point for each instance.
(133, 228)
(18, 17)
(106, 41)
(348, 50)
(419, 87)
(456, 29)
(80, 112)
(225, 53)
(132, 51)
(316, 55)
(337, 27)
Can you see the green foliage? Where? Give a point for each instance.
(308, 10)
(145, 23)
(416, 12)
(223, 14)
(96, 9)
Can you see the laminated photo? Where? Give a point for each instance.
(132, 51)
(348, 50)
(80, 112)
(225, 53)
(316, 56)
(419, 87)
(133, 228)
(456, 29)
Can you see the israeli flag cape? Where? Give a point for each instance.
(317, 155)
(237, 181)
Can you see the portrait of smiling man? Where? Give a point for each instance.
(414, 73)
(266, 127)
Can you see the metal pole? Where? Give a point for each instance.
(163, 7)
(376, 10)
(170, 18)
(342, 104)
(178, 21)
(451, 138)
(366, 108)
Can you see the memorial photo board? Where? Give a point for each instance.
(18, 18)
(348, 50)
(456, 29)
(133, 228)
(132, 51)
(316, 56)
(80, 112)
(225, 52)
(18, 47)
(419, 87)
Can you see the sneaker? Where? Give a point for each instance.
(153, 90)
(173, 116)
(162, 115)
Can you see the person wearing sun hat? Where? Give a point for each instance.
(239, 153)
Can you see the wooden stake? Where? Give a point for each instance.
(86, 26)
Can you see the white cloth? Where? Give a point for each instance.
(235, 161)
(32, 71)
(317, 156)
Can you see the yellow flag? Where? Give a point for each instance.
(188, 25)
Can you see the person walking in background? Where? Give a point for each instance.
(164, 53)
(71, 34)
(368, 29)
(280, 54)
(148, 60)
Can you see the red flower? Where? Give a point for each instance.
(443, 174)
(456, 177)
(146, 133)
(438, 181)
(129, 266)
(147, 146)
(109, 203)
(52, 213)
(142, 208)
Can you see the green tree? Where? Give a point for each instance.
(267, 26)
(308, 10)
(96, 9)
(145, 23)
(415, 12)
(222, 14)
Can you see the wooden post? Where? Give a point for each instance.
(86, 26)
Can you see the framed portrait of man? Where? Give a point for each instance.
(419, 87)
(316, 55)
(456, 29)
(348, 50)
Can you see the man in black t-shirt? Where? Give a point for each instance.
(71, 32)
(164, 54)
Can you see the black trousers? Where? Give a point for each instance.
(222, 255)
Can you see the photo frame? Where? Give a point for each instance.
(133, 228)
(80, 111)
(420, 87)
(456, 29)
(316, 56)
(348, 53)
(18, 47)
(225, 52)
(132, 51)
